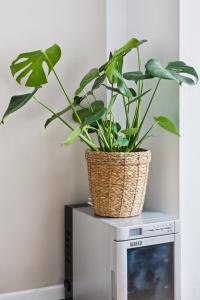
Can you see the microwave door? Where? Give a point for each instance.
(145, 269)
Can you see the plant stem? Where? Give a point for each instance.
(100, 143)
(143, 119)
(55, 114)
(144, 136)
(63, 89)
(110, 124)
(67, 97)
(150, 102)
(82, 137)
(110, 131)
(126, 113)
(99, 126)
(138, 101)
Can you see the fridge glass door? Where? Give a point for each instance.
(150, 272)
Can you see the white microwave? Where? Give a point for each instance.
(134, 258)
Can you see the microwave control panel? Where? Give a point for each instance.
(148, 230)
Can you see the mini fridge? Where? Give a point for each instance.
(134, 258)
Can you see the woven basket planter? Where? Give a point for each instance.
(117, 182)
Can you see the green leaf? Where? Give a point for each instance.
(130, 131)
(86, 112)
(154, 68)
(109, 71)
(54, 117)
(97, 105)
(103, 67)
(16, 103)
(73, 136)
(90, 76)
(133, 92)
(174, 71)
(139, 97)
(116, 90)
(114, 76)
(53, 54)
(119, 53)
(111, 103)
(122, 86)
(95, 116)
(136, 76)
(121, 142)
(131, 44)
(82, 113)
(179, 68)
(30, 65)
(98, 82)
(77, 101)
(167, 124)
(116, 127)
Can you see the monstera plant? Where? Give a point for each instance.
(110, 144)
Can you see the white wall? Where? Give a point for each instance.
(158, 22)
(189, 153)
(38, 175)
(150, 20)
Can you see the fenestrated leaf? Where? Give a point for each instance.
(129, 131)
(139, 97)
(176, 70)
(16, 103)
(98, 82)
(179, 69)
(167, 124)
(131, 44)
(180, 78)
(73, 135)
(31, 64)
(86, 112)
(95, 116)
(136, 76)
(121, 142)
(90, 76)
(154, 68)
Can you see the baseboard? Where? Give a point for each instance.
(55, 292)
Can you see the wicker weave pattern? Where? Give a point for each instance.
(117, 182)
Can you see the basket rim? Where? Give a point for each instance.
(141, 150)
